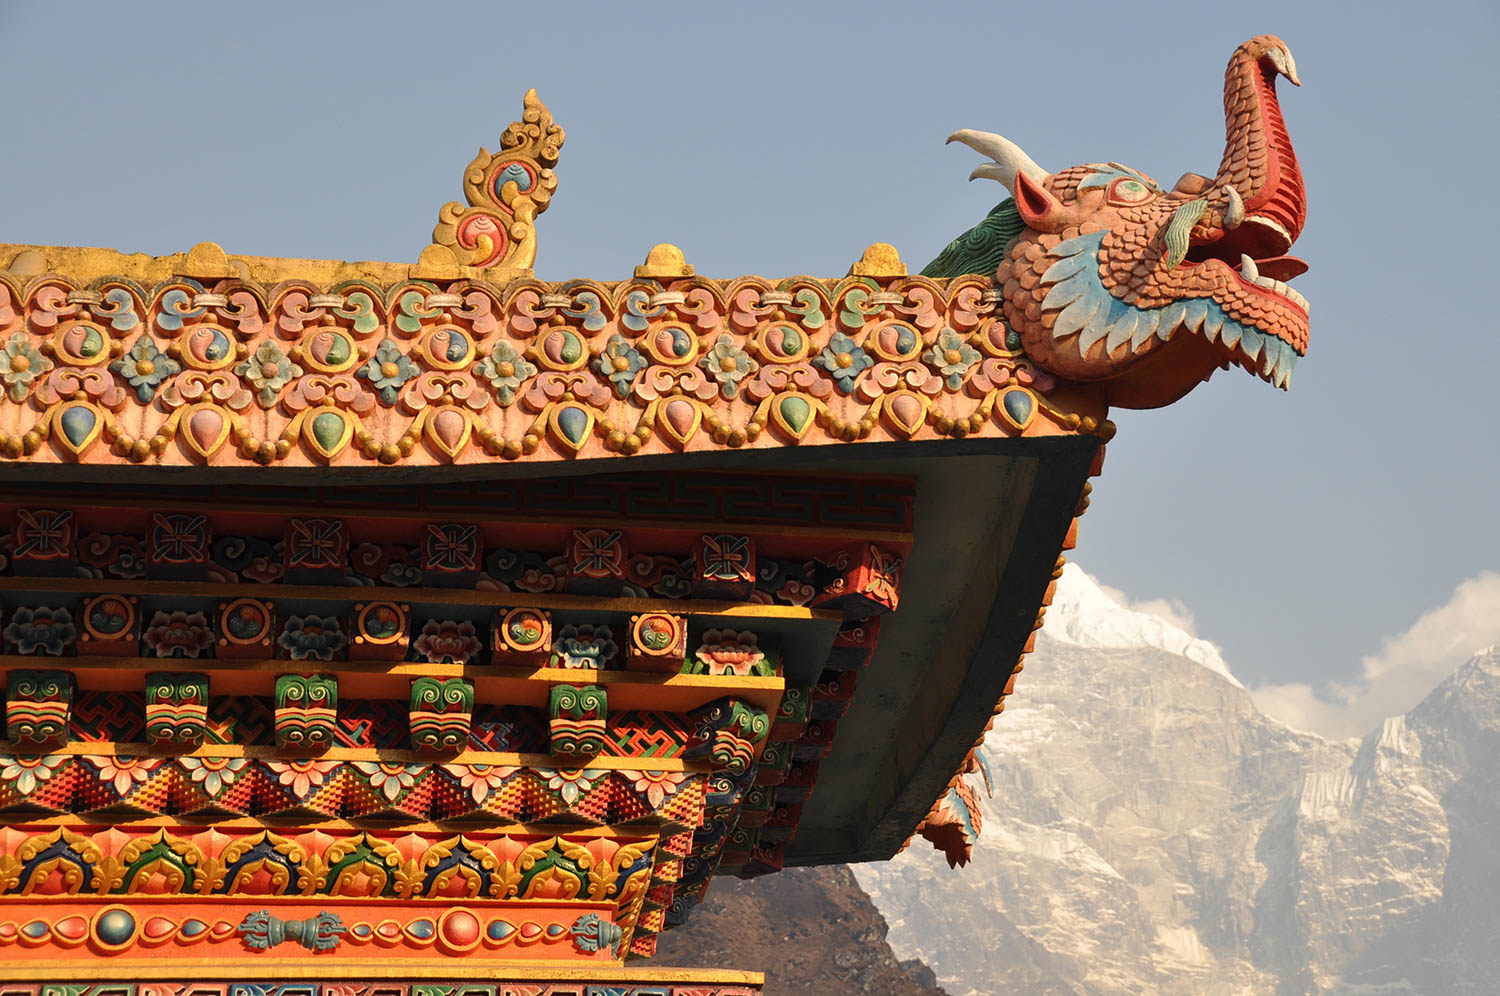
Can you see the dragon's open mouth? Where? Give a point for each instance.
(1256, 270)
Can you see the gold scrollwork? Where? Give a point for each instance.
(279, 872)
(78, 854)
(471, 877)
(505, 191)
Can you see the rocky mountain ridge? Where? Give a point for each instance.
(1152, 831)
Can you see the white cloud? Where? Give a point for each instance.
(1406, 668)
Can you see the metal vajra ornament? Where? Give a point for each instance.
(591, 934)
(261, 930)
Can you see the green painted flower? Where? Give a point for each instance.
(21, 365)
(269, 370)
(952, 357)
(620, 362)
(145, 367)
(845, 360)
(388, 370)
(505, 369)
(728, 364)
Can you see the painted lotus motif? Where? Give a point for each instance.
(725, 651)
(448, 641)
(41, 631)
(215, 774)
(303, 775)
(178, 634)
(584, 646)
(124, 772)
(657, 785)
(480, 780)
(572, 783)
(312, 637)
(390, 780)
(27, 772)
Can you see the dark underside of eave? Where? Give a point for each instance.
(990, 519)
(990, 523)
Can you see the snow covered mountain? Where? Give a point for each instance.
(1152, 831)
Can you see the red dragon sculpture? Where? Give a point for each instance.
(1105, 277)
(1108, 277)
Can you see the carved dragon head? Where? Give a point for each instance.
(1109, 277)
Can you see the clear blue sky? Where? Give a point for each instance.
(1300, 528)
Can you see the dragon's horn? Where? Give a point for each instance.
(1008, 159)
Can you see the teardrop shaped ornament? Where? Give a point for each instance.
(905, 412)
(793, 414)
(1017, 408)
(448, 430)
(327, 431)
(680, 419)
(204, 429)
(571, 425)
(76, 426)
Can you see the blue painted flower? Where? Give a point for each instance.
(845, 360)
(144, 367)
(306, 637)
(41, 630)
(620, 362)
(585, 646)
(388, 370)
(505, 369)
(20, 365)
(269, 370)
(728, 364)
(952, 357)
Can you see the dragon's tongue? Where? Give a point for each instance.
(1281, 267)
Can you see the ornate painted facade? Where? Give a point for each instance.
(425, 629)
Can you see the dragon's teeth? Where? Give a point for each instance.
(1248, 269)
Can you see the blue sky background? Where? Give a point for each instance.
(1301, 529)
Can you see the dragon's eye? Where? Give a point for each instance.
(1125, 192)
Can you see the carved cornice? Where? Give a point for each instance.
(205, 360)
